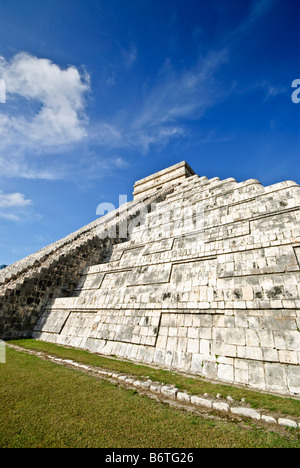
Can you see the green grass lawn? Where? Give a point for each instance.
(43, 404)
(193, 385)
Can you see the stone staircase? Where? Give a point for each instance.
(27, 286)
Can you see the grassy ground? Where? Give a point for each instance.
(194, 386)
(46, 405)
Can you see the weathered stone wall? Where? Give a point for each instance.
(208, 283)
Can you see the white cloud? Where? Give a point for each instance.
(9, 216)
(8, 200)
(44, 110)
(119, 162)
(13, 206)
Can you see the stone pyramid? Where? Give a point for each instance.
(195, 274)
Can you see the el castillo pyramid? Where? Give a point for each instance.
(195, 274)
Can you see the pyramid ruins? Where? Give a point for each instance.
(194, 274)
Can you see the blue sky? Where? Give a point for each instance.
(100, 93)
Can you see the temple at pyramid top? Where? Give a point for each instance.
(172, 175)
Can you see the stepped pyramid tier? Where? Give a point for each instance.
(205, 281)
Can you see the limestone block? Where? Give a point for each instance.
(88, 282)
(256, 375)
(195, 400)
(250, 352)
(205, 346)
(287, 339)
(268, 419)
(181, 396)
(276, 377)
(193, 346)
(225, 372)
(149, 275)
(197, 363)
(220, 406)
(52, 321)
(287, 422)
(247, 412)
(241, 376)
(169, 391)
(271, 355)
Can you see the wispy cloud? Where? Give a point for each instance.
(12, 205)
(130, 55)
(257, 10)
(273, 91)
(8, 200)
(173, 99)
(19, 164)
(179, 97)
